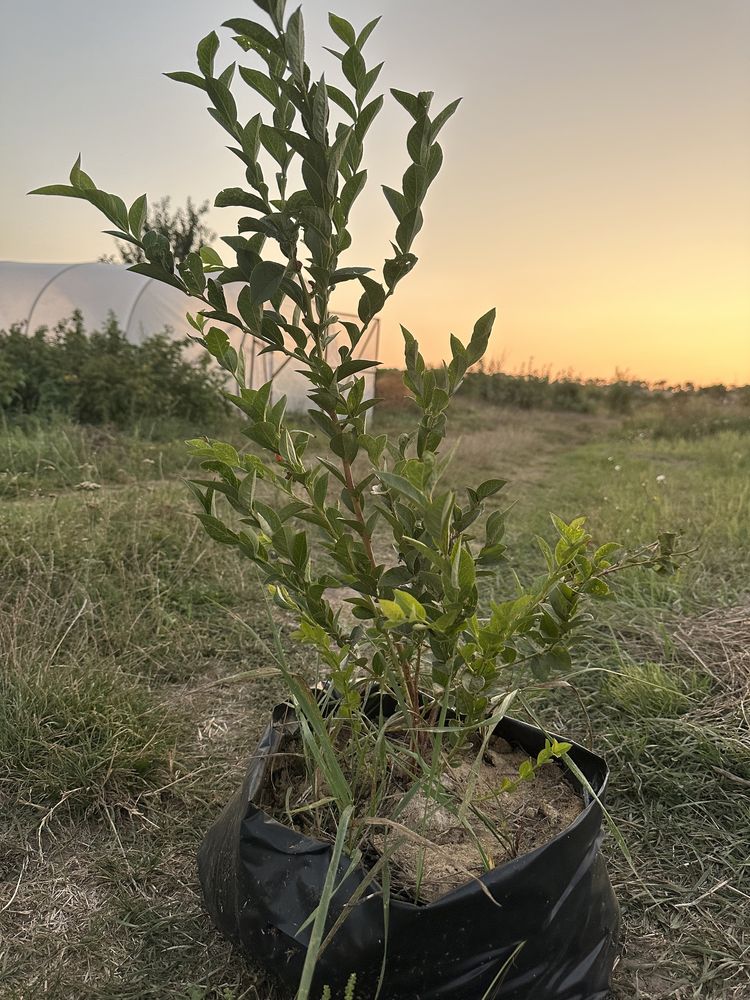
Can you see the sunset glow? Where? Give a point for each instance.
(596, 186)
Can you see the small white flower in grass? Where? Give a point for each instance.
(618, 468)
(610, 459)
(661, 479)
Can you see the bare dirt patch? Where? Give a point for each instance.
(448, 849)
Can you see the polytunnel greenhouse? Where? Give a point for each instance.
(42, 295)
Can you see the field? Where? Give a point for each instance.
(131, 695)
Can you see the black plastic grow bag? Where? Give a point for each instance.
(261, 880)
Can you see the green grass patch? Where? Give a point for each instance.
(45, 457)
(649, 690)
(81, 733)
(126, 673)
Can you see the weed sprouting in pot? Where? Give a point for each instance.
(377, 564)
(349, 991)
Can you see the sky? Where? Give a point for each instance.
(596, 185)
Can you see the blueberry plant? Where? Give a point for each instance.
(345, 516)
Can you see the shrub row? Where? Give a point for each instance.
(541, 391)
(102, 378)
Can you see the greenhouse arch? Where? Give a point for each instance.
(34, 295)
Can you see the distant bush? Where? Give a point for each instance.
(541, 391)
(102, 378)
(657, 411)
(695, 414)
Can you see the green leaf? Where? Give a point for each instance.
(217, 343)
(345, 445)
(410, 606)
(604, 552)
(224, 103)
(336, 155)
(409, 228)
(342, 29)
(354, 365)
(557, 658)
(402, 486)
(366, 32)
(491, 555)
(437, 518)
(109, 204)
(157, 249)
(344, 102)
(158, 272)
(227, 75)
(221, 451)
(466, 571)
(545, 754)
(348, 274)
(320, 112)
(597, 588)
(410, 102)
(526, 770)
(265, 280)
(546, 552)
(353, 66)
(210, 257)
(393, 612)
(137, 216)
(489, 487)
(192, 79)
(434, 162)
(495, 527)
(217, 530)
(415, 184)
(260, 83)
(369, 81)
(294, 44)
(372, 299)
(254, 31)
(397, 268)
(443, 117)
(250, 141)
(237, 197)
(273, 141)
(480, 337)
(396, 200)
(207, 49)
(60, 190)
(118, 234)
(191, 270)
(351, 190)
(299, 551)
(80, 179)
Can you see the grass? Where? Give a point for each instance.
(39, 457)
(128, 712)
